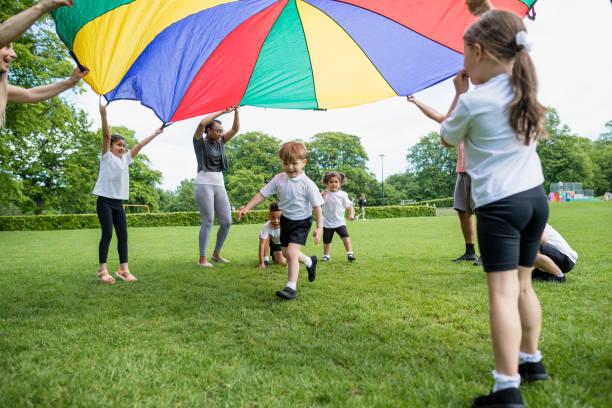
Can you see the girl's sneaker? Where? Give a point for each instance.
(325, 258)
(533, 372)
(508, 398)
(351, 257)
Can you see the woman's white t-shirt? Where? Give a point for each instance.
(498, 162)
(113, 178)
(269, 231)
(335, 206)
(296, 196)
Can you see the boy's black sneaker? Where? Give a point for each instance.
(467, 257)
(286, 293)
(351, 257)
(540, 276)
(312, 271)
(508, 398)
(533, 371)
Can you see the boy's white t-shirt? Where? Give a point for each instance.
(334, 208)
(296, 196)
(269, 231)
(113, 178)
(556, 240)
(499, 164)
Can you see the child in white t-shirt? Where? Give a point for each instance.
(336, 204)
(269, 239)
(499, 123)
(297, 197)
(112, 187)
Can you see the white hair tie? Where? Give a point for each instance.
(523, 41)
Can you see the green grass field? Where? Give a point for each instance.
(402, 326)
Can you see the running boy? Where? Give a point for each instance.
(297, 196)
(336, 203)
(270, 237)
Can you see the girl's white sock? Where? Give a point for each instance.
(505, 381)
(530, 358)
(292, 285)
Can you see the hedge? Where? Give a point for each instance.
(438, 202)
(83, 221)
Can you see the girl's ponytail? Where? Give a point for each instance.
(526, 112)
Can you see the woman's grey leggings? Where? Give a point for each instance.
(213, 199)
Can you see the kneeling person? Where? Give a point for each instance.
(270, 237)
(555, 258)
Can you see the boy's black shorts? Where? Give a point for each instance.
(328, 233)
(510, 229)
(275, 247)
(294, 231)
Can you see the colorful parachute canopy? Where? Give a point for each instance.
(184, 58)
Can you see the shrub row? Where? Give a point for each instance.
(438, 202)
(82, 221)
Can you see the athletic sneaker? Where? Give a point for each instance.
(533, 371)
(508, 398)
(467, 257)
(286, 293)
(266, 262)
(477, 262)
(312, 271)
(351, 257)
(325, 258)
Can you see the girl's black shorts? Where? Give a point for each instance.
(510, 229)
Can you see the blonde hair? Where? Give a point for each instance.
(292, 151)
(496, 32)
(3, 97)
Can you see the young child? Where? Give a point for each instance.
(362, 205)
(112, 187)
(499, 123)
(336, 203)
(555, 258)
(270, 237)
(297, 196)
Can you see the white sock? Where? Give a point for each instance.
(266, 259)
(530, 358)
(327, 255)
(307, 261)
(349, 253)
(505, 381)
(292, 285)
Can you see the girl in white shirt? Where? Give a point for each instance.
(499, 123)
(112, 187)
(336, 204)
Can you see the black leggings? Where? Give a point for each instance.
(111, 212)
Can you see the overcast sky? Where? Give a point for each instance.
(573, 56)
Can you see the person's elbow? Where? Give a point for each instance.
(445, 143)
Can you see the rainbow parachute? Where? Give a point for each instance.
(184, 58)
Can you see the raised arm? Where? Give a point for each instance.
(12, 28)
(136, 149)
(206, 120)
(430, 112)
(106, 136)
(462, 84)
(235, 126)
(17, 94)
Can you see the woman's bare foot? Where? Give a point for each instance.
(218, 258)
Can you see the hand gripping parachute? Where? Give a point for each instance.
(184, 58)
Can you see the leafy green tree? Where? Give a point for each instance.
(433, 166)
(334, 151)
(256, 152)
(407, 186)
(182, 199)
(242, 184)
(564, 156)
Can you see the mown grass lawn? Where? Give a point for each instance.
(402, 326)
